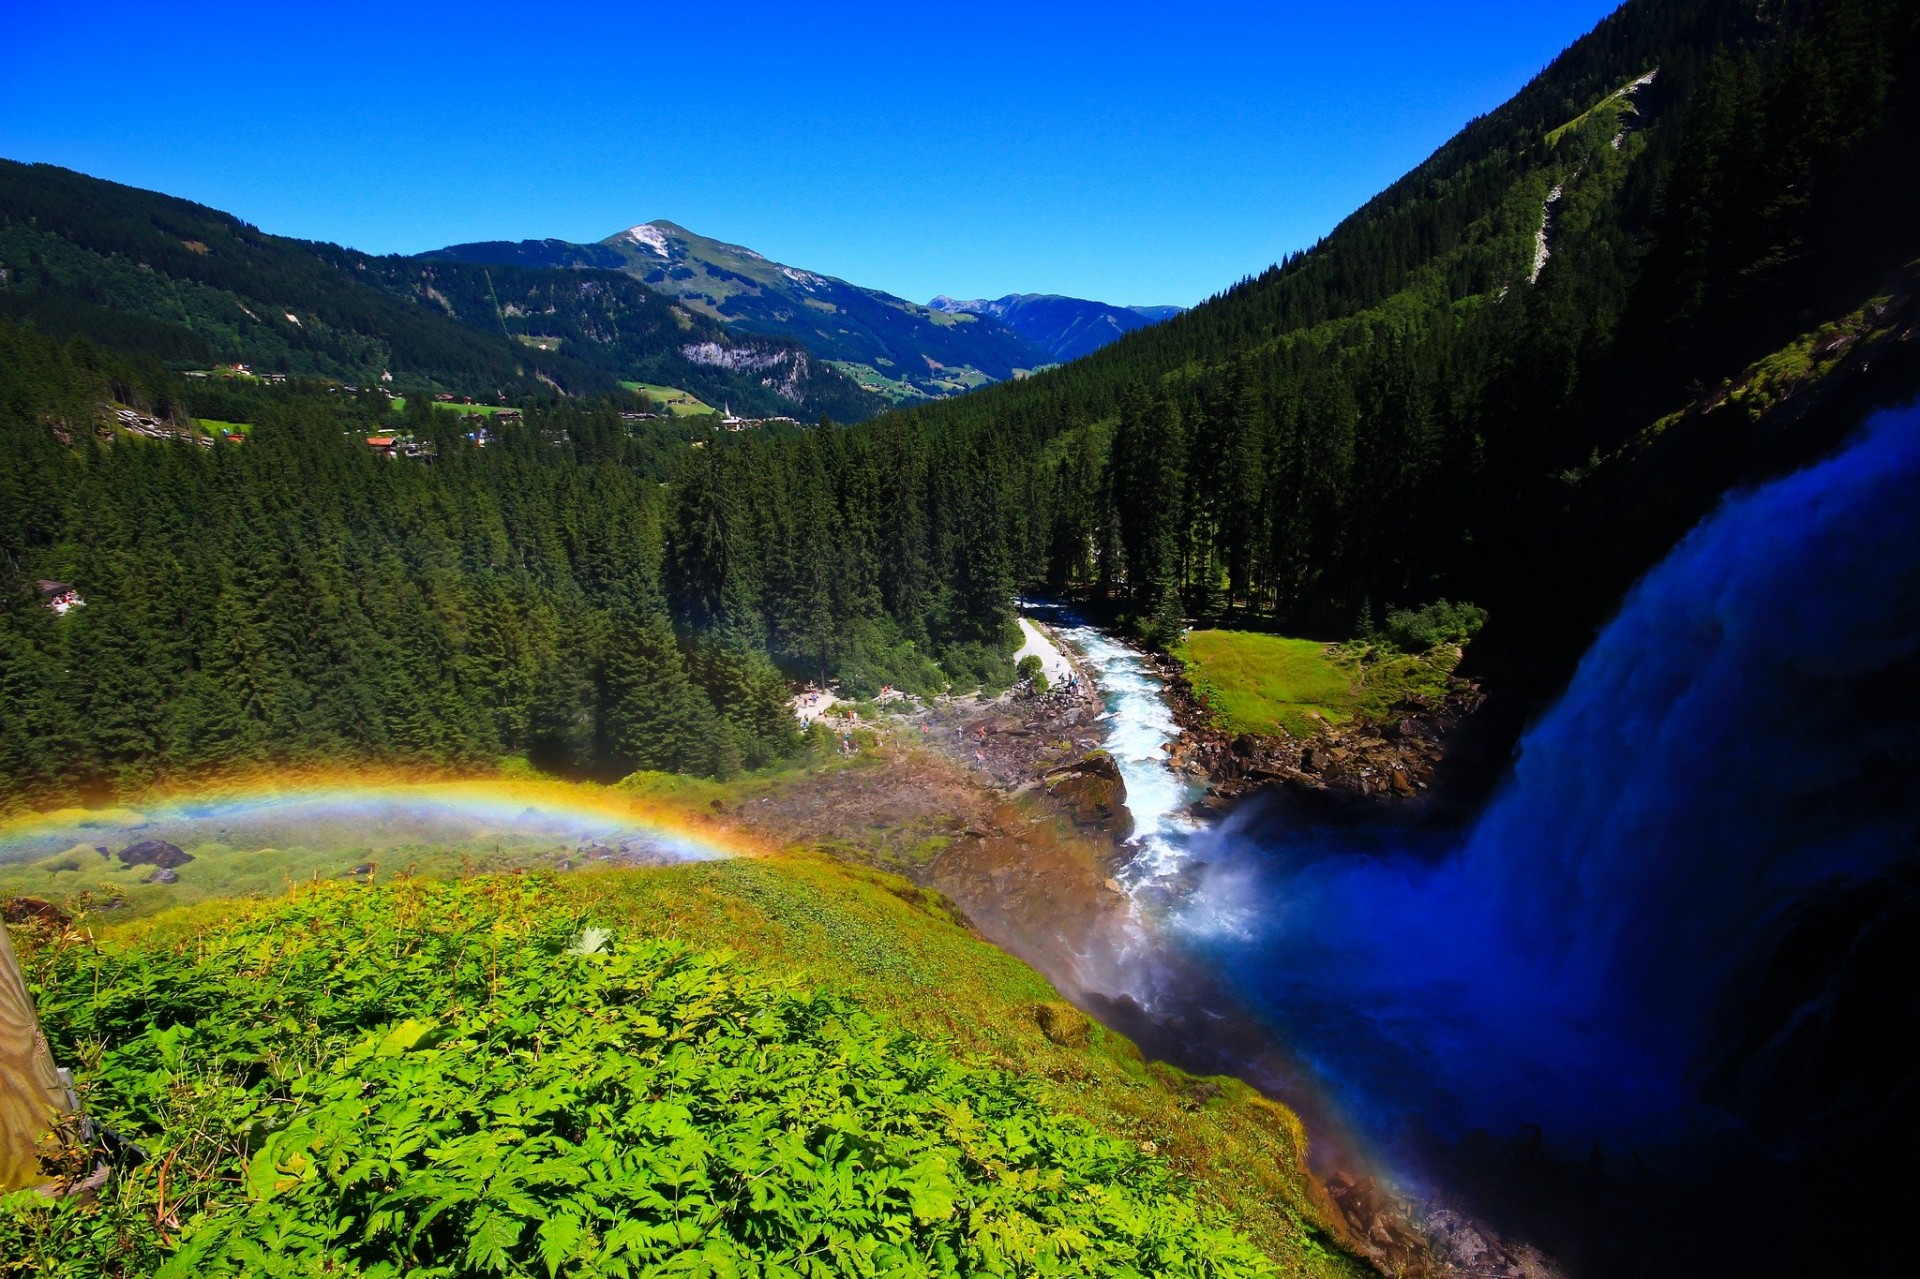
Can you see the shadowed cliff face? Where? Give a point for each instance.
(1672, 927)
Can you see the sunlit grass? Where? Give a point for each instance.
(1270, 684)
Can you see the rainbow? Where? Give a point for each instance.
(341, 807)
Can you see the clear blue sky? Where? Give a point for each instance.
(1131, 153)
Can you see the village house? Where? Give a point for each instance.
(59, 596)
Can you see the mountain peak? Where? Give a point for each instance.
(650, 236)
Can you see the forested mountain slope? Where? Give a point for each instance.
(614, 324)
(589, 593)
(1475, 387)
(145, 272)
(1401, 411)
(890, 345)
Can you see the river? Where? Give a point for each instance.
(1666, 941)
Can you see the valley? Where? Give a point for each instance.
(552, 757)
(890, 347)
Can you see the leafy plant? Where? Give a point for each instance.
(1417, 630)
(453, 1079)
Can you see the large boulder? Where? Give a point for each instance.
(1092, 789)
(155, 852)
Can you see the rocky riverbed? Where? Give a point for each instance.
(1393, 762)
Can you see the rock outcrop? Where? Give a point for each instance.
(1388, 761)
(30, 910)
(1092, 790)
(155, 852)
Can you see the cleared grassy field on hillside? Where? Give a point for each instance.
(486, 410)
(1256, 683)
(678, 403)
(1270, 684)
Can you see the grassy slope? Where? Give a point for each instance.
(896, 950)
(678, 403)
(1258, 683)
(1270, 684)
(399, 405)
(900, 953)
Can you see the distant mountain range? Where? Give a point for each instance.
(1065, 328)
(654, 304)
(888, 345)
(140, 271)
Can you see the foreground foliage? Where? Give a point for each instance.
(473, 1078)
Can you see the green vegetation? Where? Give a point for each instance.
(729, 1068)
(1612, 111)
(214, 426)
(1269, 684)
(1255, 683)
(868, 378)
(1420, 629)
(672, 399)
(82, 879)
(488, 410)
(1383, 675)
(593, 598)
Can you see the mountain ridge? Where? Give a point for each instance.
(191, 285)
(1062, 326)
(889, 346)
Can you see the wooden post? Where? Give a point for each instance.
(32, 1094)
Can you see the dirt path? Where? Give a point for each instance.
(1037, 644)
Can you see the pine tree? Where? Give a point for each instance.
(654, 716)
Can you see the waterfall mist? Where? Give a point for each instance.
(1653, 934)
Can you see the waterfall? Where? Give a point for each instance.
(1738, 742)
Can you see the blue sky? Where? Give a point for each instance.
(1131, 153)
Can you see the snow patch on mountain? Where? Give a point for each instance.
(650, 237)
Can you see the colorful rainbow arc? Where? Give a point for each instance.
(491, 802)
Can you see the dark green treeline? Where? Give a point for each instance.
(595, 596)
(1407, 411)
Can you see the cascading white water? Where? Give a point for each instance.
(1734, 742)
(1139, 726)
